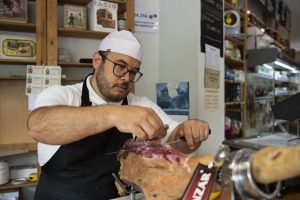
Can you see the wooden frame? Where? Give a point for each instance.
(74, 17)
(12, 10)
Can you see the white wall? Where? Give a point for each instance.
(150, 66)
(174, 54)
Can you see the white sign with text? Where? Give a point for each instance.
(146, 20)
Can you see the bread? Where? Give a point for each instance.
(273, 164)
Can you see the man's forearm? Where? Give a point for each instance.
(66, 124)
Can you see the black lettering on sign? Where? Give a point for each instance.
(200, 185)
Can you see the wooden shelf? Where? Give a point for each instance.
(13, 78)
(234, 103)
(234, 40)
(279, 44)
(24, 78)
(16, 62)
(17, 26)
(62, 64)
(228, 6)
(232, 63)
(15, 186)
(234, 110)
(14, 149)
(72, 79)
(81, 65)
(81, 33)
(85, 2)
(234, 82)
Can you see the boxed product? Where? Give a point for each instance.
(74, 17)
(102, 16)
(16, 47)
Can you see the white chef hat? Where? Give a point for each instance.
(123, 42)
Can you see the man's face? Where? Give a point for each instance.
(111, 87)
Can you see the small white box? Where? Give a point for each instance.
(102, 16)
(21, 171)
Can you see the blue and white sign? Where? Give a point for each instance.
(146, 20)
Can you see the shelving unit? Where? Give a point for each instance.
(14, 138)
(263, 82)
(14, 149)
(236, 109)
(13, 103)
(17, 186)
(54, 32)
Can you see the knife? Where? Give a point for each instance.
(182, 139)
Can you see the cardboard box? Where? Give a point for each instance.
(102, 16)
(74, 17)
(12, 10)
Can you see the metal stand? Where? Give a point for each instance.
(237, 181)
(129, 189)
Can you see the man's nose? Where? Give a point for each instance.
(126, 76)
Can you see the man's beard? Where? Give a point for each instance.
(103, 87)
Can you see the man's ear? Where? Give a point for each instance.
(97, 59)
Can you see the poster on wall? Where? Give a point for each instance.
(146, 20)
(212, 24)
(173, 97)
(212, 78)
(212, 67)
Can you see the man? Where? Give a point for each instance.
(77, 126)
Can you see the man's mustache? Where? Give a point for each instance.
(123, 85)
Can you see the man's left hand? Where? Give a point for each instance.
(194, 131)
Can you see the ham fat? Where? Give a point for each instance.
(159, 171)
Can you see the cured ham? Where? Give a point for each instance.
(159, 171)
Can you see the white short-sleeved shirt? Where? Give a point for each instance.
(71, 95)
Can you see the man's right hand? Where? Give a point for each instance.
(142, 122)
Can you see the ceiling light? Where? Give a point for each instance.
(268, 66)
(281, 64)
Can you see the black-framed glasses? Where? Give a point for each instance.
(121, 70)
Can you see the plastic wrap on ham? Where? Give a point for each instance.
(159, 171)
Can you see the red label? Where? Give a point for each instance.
(200, 185)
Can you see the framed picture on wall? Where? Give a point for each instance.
(74, 17)
(13, 10)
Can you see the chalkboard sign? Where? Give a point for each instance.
(212, 24)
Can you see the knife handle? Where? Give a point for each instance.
(182, 138)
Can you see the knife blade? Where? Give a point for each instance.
(182, 139)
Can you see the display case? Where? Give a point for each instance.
(235, 68)
(271, 79)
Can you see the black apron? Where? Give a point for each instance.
(81, 170)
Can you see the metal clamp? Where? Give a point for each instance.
(129, 189)
(243, 180)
